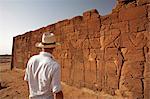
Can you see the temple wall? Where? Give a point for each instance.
(103, 53)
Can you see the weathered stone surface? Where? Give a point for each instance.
(109, 54)
(134, 76)
(111, 18)
(138, 25)
(110, 37)
(122, 26)
(142, 2)
(132, 13)
(138, 40)
(147, 76)
(106, 20)
(90, 14)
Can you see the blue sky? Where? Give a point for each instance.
(20, 16)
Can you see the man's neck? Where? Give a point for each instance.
(48, 50)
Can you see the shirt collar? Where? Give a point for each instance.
(47, 54)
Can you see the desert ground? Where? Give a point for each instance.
(12, 85)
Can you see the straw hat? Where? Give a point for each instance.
(48, 41)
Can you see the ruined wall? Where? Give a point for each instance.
(104, 53)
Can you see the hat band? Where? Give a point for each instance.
(49, 43)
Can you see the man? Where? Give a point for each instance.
(43, 72)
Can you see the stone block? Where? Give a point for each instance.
(93, 28)
(94, 43)
(94, 35)
(83, 35)
(78, 77)
(83, 31)
(135, 55)
(147, 77)
(132, 86)
(64, 54)
(65, 45)
(132, 13)
(133, 70)
(76, 20)
(92, 55)
(94, 14)
(111, 54)
(56, 53)
(87, 65)
(109, 19)
(80, 43)
(79, 65)
(148, 10)
(50, 27)
(94, 25)
(62, 23)
(122, 26)
(104, 28)
(112, 69)
(90, 14)
(68, 29)
(93, 66)
(90, 78)
(65, 74)
(125, 41)
(111, 36)
(99, 54)
(138, 39)
(112, 82)
(86, 15)
(100, 74)
(85, 44)
(138, 25)
(86, 53)
(146, 88)
(147, 26)
(114, 18)
(147, 69)
(105, 20)
(67, 63)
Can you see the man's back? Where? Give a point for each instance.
(43, 76)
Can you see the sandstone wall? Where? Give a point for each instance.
(104, 53)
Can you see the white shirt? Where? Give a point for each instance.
(43, 76)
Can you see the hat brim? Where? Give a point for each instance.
(40, 45)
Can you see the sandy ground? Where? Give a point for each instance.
(14, 87)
